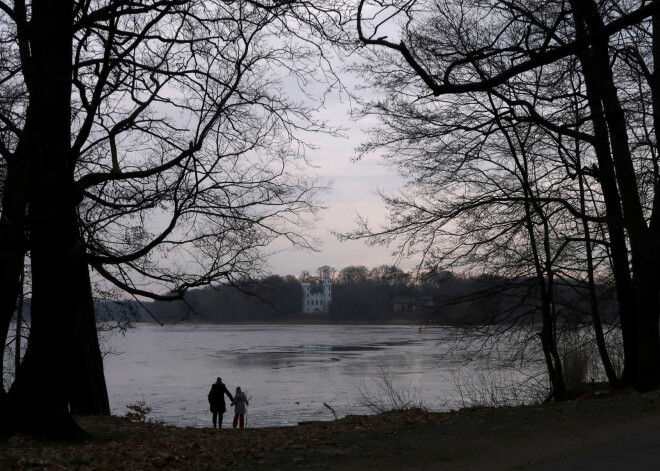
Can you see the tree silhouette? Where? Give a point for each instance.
(153, 142)
(522, 55)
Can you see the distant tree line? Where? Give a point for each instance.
(381, 294)
(274, 298)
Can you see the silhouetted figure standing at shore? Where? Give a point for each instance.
(239, 402)
(217, 400)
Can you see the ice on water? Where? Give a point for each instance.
(288, 372)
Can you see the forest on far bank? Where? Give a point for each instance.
(384, 294)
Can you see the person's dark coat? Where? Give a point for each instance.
(217, 397)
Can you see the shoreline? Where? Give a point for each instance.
(394, 322)
(525, 437)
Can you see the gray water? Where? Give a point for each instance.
(288, 372)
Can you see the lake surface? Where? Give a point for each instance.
(288, 372)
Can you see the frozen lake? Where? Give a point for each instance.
(288, 372)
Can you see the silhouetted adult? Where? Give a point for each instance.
(217, 401)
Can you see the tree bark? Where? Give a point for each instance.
(89, 393)
(62, 367)
(612, 378)
(12, 247)
(654, 84)
(644, 340)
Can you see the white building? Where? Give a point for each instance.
(319, 301)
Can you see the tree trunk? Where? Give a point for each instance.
(545, 280)
(19, 330)
(646, 312)
(651, 322)
(12, 247)
(606, 361)
(90, 396)
(654, 84)
(593, 297)
(38, 401)
(62, 367)
(543, 270)
(549, 325)
(607, 178)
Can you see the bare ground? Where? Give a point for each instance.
(534, 437)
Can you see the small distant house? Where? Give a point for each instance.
(407, 303)
(317, 301)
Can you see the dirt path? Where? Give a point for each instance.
(589, 434)
(617, 432)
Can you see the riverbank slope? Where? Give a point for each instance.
(542, 437)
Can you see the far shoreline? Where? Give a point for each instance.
(303, 319)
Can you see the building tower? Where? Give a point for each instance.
(327, 289)
(319, 300)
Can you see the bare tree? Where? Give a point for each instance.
(456, 48)
(153, 141)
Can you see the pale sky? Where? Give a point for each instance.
(353, 188)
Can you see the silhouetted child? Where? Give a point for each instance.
(239, 403)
